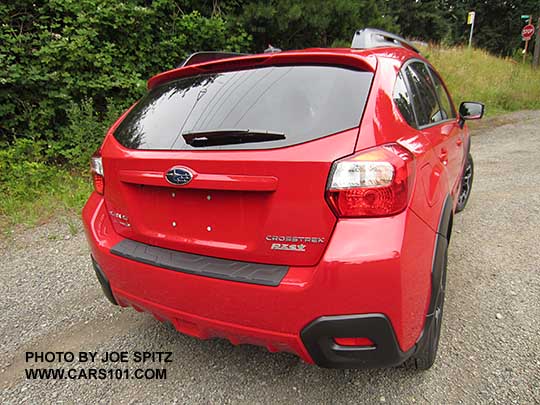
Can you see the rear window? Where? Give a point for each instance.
(298, 103)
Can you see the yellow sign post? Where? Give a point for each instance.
(470, 21)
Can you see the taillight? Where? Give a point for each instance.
(96, 166)
(373, 183)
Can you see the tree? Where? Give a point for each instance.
(422, 19)
(497, 24)
(56, 54)
(290, 24)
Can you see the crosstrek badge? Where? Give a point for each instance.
(298, 242)
(294, 239)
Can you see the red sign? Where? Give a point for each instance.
(527, 32)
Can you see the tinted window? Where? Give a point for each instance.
(424, 99)
(301, 102)
(444, 98)
(403, 100)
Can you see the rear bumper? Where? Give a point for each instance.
(316, 343)
(381, 292)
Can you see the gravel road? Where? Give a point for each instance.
(489, 353)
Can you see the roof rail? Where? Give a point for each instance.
(374, 38)
(207, 56)
(271, 49)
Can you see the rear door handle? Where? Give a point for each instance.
(443, 156)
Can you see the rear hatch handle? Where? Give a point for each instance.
(232, 182)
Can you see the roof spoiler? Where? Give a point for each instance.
(374, 38)
(207, 56)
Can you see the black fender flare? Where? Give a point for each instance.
(442, 239)
(467, 150)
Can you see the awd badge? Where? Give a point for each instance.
(287, 246)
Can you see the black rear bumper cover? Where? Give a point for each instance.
(231, 270)
(318, 338)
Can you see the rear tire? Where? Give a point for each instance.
(466, 184)
(426, 353)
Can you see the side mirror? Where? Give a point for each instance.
(470, 110)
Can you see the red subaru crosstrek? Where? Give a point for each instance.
(299, 200)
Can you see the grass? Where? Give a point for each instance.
(502, 84)
(32, 192)
(62, 193)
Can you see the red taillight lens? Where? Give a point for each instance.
(98, 179)
(372, 183)
(354, 341)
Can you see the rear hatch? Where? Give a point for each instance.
(234, 164)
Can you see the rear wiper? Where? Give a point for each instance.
(214, 137)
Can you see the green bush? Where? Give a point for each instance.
(56, 54)
(83, 133)
(22, 166)
(32, 189)
(69, 68)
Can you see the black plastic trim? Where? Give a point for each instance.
(318, 338)
(105, 286)
(467, 150)
(446, 214)
(441, 244)
(232, 270)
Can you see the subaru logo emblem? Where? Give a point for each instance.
(179, 176)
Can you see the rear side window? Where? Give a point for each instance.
(298, 103)
(403, 100)
(444, 98)
(425, 100)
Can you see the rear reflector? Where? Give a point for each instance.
(99, 183)
(354, 341)
(373, 183)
